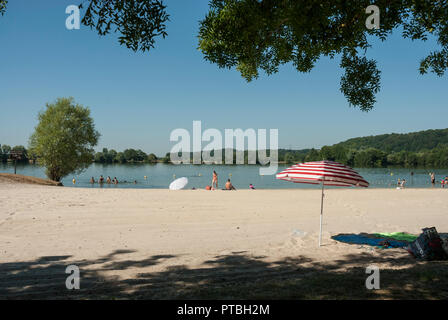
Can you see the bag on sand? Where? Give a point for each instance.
(428, 246)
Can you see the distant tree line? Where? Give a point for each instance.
(417, 149)
(370, 157)
(427, 148)
(362, 158)
(127, 156)
(396, 142)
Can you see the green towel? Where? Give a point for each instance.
(402, 236)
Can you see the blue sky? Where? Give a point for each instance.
(137, 99)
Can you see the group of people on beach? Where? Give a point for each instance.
(228, 185)
(401, 183)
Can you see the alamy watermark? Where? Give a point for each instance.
(373, 281)
(257, 150)
(73, 280)
(73, 21)
(373, 21)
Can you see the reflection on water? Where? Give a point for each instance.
(160, 175)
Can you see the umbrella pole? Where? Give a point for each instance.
(321, 212)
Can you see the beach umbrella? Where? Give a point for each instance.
(178, 183)
(325, 173)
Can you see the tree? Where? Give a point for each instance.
(130, 155)
(252, 35)
(138, 22)
(289, 158)
(370, 158)
(3, 156)
(99, 157)
(313, 155)
(6, 149)
(23, 151)
(64, 138)
(120, 158)
(3, 4)
(167, 158)
(141, 155)
(152, 158)
(111, 155)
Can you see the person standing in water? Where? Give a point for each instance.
(433, 178)
(215, 179)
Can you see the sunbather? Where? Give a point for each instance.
(229, 185)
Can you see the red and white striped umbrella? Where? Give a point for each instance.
(330, 172)
(327, 173)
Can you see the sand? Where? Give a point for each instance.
(136, 236)
(18, 178)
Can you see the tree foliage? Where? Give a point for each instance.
(138, 22)
(254, 35)
(3, 4)
(127, 156)
(416, 149)
(64, 138)
(152, 158)
(396, 142)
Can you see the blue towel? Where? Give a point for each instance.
(369, 240)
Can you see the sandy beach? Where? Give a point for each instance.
(136, 243)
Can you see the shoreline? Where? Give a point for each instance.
(260, 189)
(30, 180)
(23, 179)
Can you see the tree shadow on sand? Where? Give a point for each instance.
(234, 276)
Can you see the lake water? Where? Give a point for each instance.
(160, 176)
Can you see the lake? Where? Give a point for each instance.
(160, 176)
